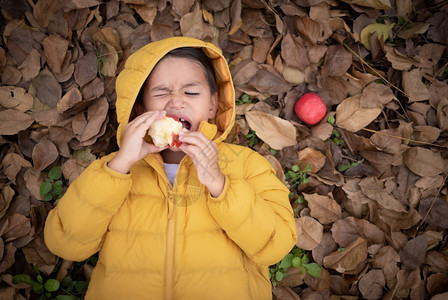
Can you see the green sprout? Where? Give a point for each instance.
(253, 138)
(51, 188)
(295, 176)
(297, 258)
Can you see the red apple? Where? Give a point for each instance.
(310, 108)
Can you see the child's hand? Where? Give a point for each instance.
(204, 154)
(133, 148)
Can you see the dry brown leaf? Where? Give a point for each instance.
(309, 28)
(352, 117)
(413, 86)
(326, 246)
(337, 61)
(86, 69)
(69, 100)
(294, 52)
(350, 259)
(44, 10)
(15, 226)
(274, 131)
(55, 48)
(376, 95)
(109, 60)
(31, 65)
(16, 98)
(6, 197)
(68, 5)
(434, 211)
(387, 259)
(192, 24)
(96, 115)
(371, 284)
(428, 134)
(13, 121)
(146, 13)
(413, 253)
(309, 233)
(323, 208)
(11, 75)
(244, 71)
(48, 89)
(12, 164)
(315, 159)
(442, 114)
(37, 253)
(8, 257)
(374, 189)
(346, 231)
(398, 60)
(44, 154)
(267, 80)
(424, 162)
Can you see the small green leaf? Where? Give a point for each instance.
(301, 199)
(58, 184)
(314, 269)
(296, 262)
(38, 288)
(48, 197)
(342, 168)
(341, 249)
(286, 261)
(81, 286)
(382, 31)
(23, 278)
(279, 276)
(45, 188)
(331, 120)
(40, 279)
(55, 173)
(52, 285)
(295, 168)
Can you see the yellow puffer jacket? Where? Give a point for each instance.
(159, 241)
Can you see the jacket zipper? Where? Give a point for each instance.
(171, 240)
(169, 262)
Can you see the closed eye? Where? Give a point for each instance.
(191, 94)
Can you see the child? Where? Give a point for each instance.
(202, 221)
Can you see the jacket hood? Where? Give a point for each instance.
(140, 64)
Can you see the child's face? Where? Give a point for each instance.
(179, 87)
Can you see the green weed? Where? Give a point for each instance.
(51, 188)
(253, 138)
(297, 258)
(50, 288)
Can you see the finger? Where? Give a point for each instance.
(147, 118)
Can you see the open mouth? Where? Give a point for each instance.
(185, 124)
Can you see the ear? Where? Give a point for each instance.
(213, 105)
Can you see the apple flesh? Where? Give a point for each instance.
(310, 108)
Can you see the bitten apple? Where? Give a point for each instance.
(310, 108)
(165, 132)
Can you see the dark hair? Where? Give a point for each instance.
(194, 54)
(197, 55)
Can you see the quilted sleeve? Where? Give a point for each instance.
(74, 229)
(255, 212)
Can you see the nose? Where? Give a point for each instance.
(177, 101)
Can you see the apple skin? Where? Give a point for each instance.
(310, 108)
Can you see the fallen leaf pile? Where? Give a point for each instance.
(375, 208)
